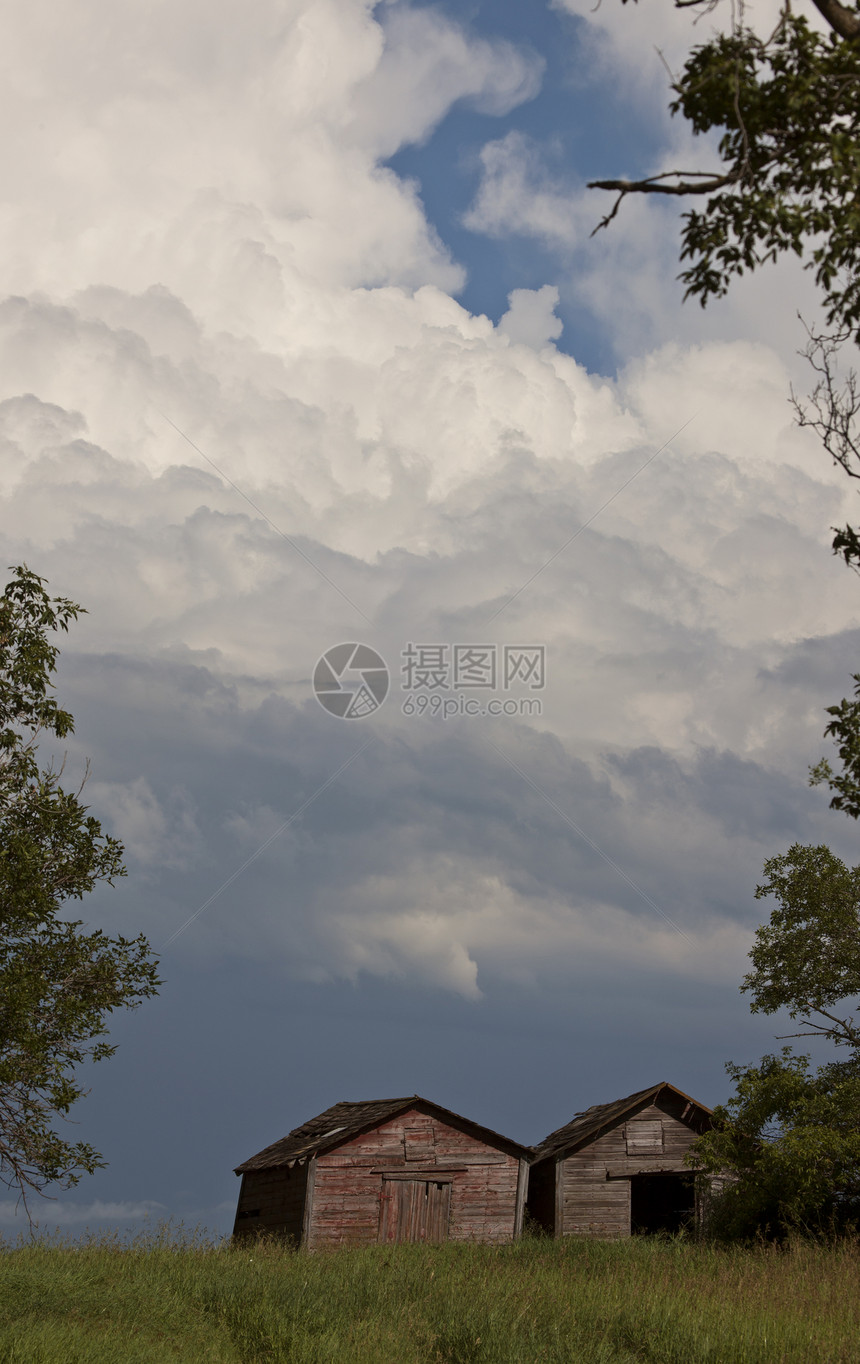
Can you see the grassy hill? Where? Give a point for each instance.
(599, 1303)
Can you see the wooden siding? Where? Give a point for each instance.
(521, 1193)
(272, 1201)
(352, 1183)
(594, 1182)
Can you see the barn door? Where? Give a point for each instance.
(414, 1210)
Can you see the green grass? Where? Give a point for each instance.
(595, 1302)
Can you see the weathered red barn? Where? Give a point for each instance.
(385, 1170)
(618, 1168)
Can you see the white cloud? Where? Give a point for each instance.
(516, 195)
(431, 486)
(531, 318)
(427, 65)
(226, 158)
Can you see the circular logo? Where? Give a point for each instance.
(351, 681)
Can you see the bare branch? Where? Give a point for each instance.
(844, 21)
(834, 405)
(842, 1031)
(707, 183)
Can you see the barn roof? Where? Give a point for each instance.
(594, 1122)
(343, 1121)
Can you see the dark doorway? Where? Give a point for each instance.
(661, 1203)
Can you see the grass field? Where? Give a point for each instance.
(540, 1300)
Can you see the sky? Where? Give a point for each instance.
(307, 342)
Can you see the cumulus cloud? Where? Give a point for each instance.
(531, 318)
(221, 157)
(245, 420)
(427, 65)
(516, 194)
(193, 689)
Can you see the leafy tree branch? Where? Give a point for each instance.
(787, 111)
(786, 1146)
(806, 959)
(58, 981)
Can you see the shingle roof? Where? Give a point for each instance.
(587, 1126)
(345, 1120)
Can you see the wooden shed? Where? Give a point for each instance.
(618, 1168)
(385, 1170)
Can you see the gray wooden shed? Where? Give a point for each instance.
(618, 1168)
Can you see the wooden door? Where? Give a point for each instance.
(414, 1210)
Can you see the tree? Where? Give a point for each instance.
(832, 412)
(787, 111)
(806, 959)
(790, 1135)
(58, 981)
(789, 1142)
(786, 108)
(845, 728)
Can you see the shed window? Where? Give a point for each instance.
(644, 1137)
(418, 1143)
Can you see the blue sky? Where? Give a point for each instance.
(306, 341)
